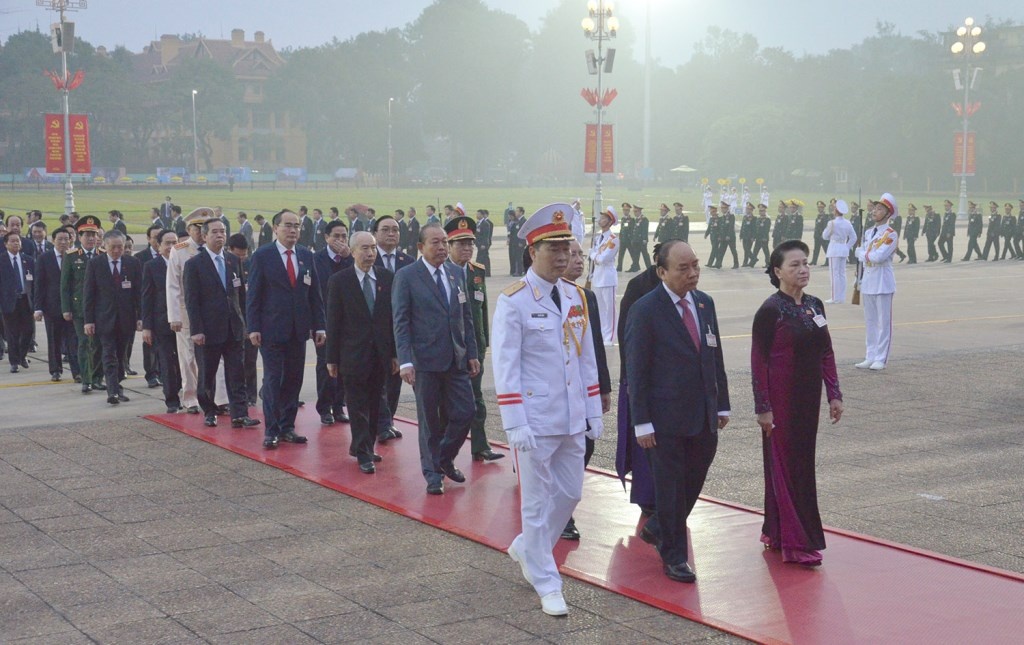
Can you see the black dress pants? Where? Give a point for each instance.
(362, 392)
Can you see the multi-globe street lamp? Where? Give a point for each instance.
(195, 138)
(967, 45)
(601, 26)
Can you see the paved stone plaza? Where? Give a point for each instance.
(115, 529)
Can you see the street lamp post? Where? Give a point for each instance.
(967, 45)
(647, 93)
(600, 25)
(391, 150)
(195, 138)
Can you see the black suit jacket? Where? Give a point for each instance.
(266, 235)
(9, 278)
(154, 298)
(402, 259)
(145, 255)
(119, 225)
(110, 307)
(213, 309)
(604, 379)
(28, 247)
(46, 288)
(671, 384)
(306, 231)
(354, 335)
(636, 288)
(326, 268)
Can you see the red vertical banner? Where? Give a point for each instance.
(81, 162)
(607, 150)
(53, 132)
(958, 154)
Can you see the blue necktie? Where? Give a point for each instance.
(221, 272)
(21, 278)
(440, 286)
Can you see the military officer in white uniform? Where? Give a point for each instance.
(878, 284)
(178, 317)
(605, 278)
(545, 375)
(840, 236)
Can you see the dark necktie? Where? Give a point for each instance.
(337, 259)
(440, 287)
(690, 324)
(117, 274)
(389, 260)
(20, 287)
(556, 297)
(368, 292)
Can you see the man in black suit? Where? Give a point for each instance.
(113, 308)
(36, 243)
(319, 224)
(178, 222)
(437, 354)
(239, 247)
(149, 252)
(484, 237)
(17, 273)
(46, 299)
(413, 236)
(218, 212)
(679, 397)
(211, 279)
(389, 256)
(117, 222)
(266, 235)
(156, 329)
(334, 257)
(284, 307)
(167, 212)
(245, 229)
(361, 342)
(306, 227)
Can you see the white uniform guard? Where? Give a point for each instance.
(605, 278)
(841, 238)
(545, 375)
(877, 285)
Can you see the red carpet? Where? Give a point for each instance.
(868, 591)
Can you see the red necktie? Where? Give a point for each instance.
(117, 274)
(291, 267)
(690, 323)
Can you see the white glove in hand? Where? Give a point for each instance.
(521, 438)
(595, 429)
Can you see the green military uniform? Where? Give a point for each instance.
(1009, 233)
(625, 237)
(475, 274)
(762, 233)
(911, 233)
(72, 299)
(975, 226)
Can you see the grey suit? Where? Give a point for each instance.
(439, 342)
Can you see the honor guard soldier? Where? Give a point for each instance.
(665, 230)
(932, 226)
(1009, 232)
(545, 375)
(796, 219)
(625, 233)
(946, 234)
(604, 278)
(72, 301)
(994, 231)
(896, 222)
(878, 283)
(975, 227)
(912, 232)
(461, 231)
(1020, 231)
(641, 237)
(747, 230)
(713, 231)
(681, 223)
(820, 222)
(484, 235)
(727, 235)
(762, 233)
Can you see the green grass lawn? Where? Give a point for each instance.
(136, 202)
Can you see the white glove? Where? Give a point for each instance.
(521, 438)
(595, 428)
(859, 253)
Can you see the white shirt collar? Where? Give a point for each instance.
(688, 298)
(430, 267)
(360, 274)
(214, 255)
(282, 250)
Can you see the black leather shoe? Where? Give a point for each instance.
(388, 435)
(367, 468)
(570, 532)
(78, 378)
(99, 386)
(55, 377)
(130, 372)
(173, 409)
(112, 400)
(244, 422)
(86, 388)
(487, 455)
(341, 417)
(153, 383)
(437, 488)
(210, 421)
(648, 536)
(122, 398)
(453, 473)
(223, 411)
(192, 409)
(327, 419)
(680, 572)
(270, 443)
(24, 363)
(377, 458)
(14, 369)
(291, 437)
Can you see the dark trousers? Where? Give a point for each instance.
(1008, 247)
(679, 465)
(57, 332)
(249, 367)
(112, 346)
(452, 392)
(18, 328)
(165, 347)
(477, 432)
(149, 366)
(622, 253)
(989, 241)
(760, 246)
(330, 392)
(515, 259)
(728, 244)
(946, 248)
(362, 391)
(90, 355)
(716, 249)
(283, 367)
(637, 252)
(389, 394)
(748, 251)
(208, 359)
(819, 245)
(911, 251)
(933, 253)
(483, 256)
(973, 246)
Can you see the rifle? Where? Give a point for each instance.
(860, 265)
(590, 260)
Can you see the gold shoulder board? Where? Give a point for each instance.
(478, 265)
(181, 245)
(513, 288)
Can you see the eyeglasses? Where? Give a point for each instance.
(289, 225)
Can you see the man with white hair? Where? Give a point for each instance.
(840, 236)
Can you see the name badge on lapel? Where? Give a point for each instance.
(28, 276)
(462, 297)
(820, 321)
(307, 278)
(126, 284)
(237, 282)
(478, 296)
(710, 338)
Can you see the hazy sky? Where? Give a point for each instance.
(801, 26)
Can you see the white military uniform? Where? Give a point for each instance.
(181, 253)
(877, 286)
(605, 279)
(841, 237)
(531, 339)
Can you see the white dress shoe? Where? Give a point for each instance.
(518, 559)
(830, 302)
(878, 365)
(864, 364)
(553, 604)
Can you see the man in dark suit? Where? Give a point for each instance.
(156, 329)
(36, 243)
(360, 342)
(284, 307)
(245, 229)
(46, 299)
(167, 212)
(17, 273)
(239, 246)
(319, 224)
(218, 212)
(413, 236)
(306, 228)
(113, 308)
(437, 354)
(484, 237)
(266, 235)
(679, 397)
(178, 222)
(117, 222)
(149, 252)
(390, 257)
(211, 279)
(334, 257)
